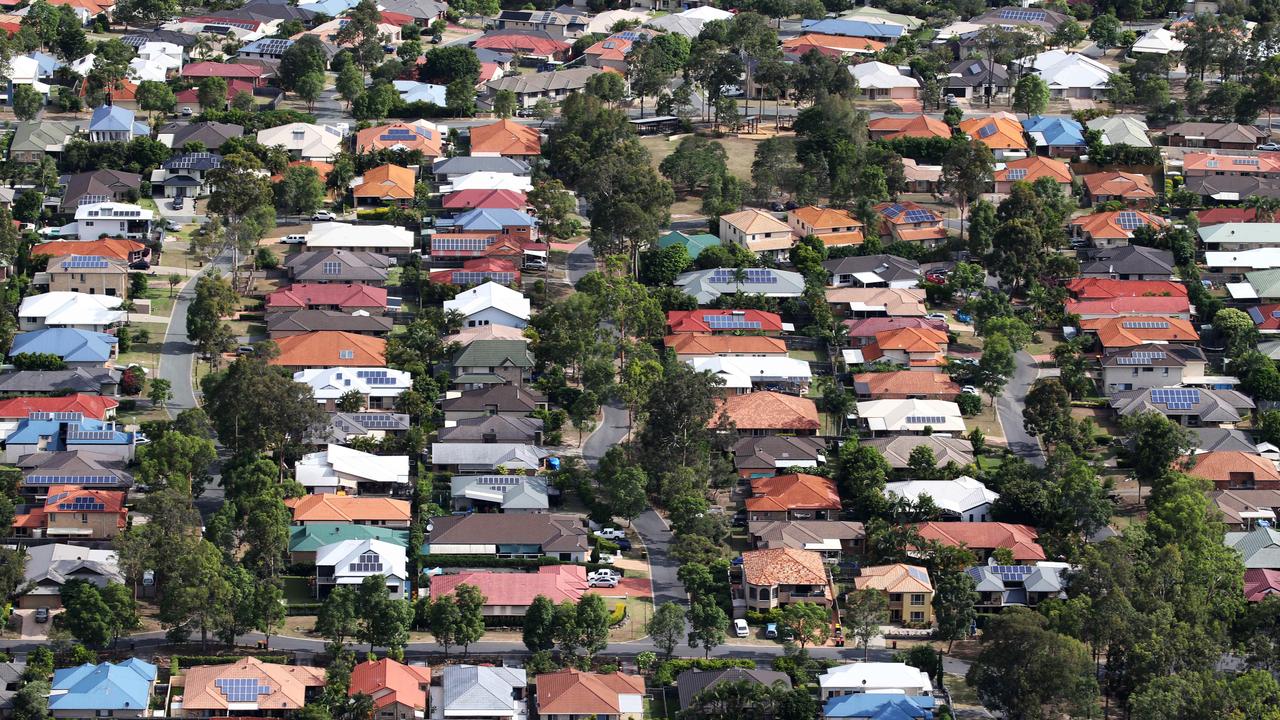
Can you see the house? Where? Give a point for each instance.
(471, 691)
(834, 540)
(50, 567)
(875, 678)
(507, 400)
(946, 450)
(1152, 365)
(412, 91)
(905, 384)
(120, 690)
(343, 469)
(908, 222)
(186, 175)
(90, 406)
(98, 380)
(330, 266)
(1217, 136)
(530, 88)
(1210, 439)
(517, 535)
(694, 345)
(909, 590)
(76, 348)
(11, 674)
(477, 271)
(505, 138)
(397, 690)
(483, 180)
(246, 685)
(1121, 130)
(1235, 470)
(1112, 228)
(349, 562)
(1185, 406)
(1240, 263)
(499, 493)
(492, 362)
(112, 248)
(569, 694)
(298, 322)
(328, 348)
(1260, 583)
(1201, 164)
(1129, 262)
(873, 271)
(92, 274)
(1240, 236)
(73, 512)
(983, 538)
(1002, 133)
(746, 374)
(97, 186)
(422, 135)
(75, 310)
(714, 321)
(781, 576)
(1030, 169)
(490, 304)
(386, 512)
(877, 301)
(768, 413)
(254, 75)
(347, 427)
(345, 297)
(33, 140)
(94, 220)
(505, 199)
(378, 388)
(879, 81)
(873, 706)
(1260, 547)
(560, 25)
(1002, 586)
(1035, 20)
(834, 46)
(1122, 332)
(792, 497)
(305, 540)
(909, 416)
(1132, 188)
(512, 224)
(1158, 41)
(1056, 136)
(303, 140)
(493, 429)
(611, 52)
(487, 457)
(915, 348)
(757, 231)
(976, 77)
(691, 683)
(876, 30)
(922, 126)
(1266, 318)
(964, 498)
(113, 123)
(384, 185)
(381, 239)
(832, 226)
(1142, 306)
(1072, 75)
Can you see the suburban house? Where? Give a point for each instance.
(298, 322)
(792, 497)
(505, 138)
(306, 540)
(746, 374)
(1055, 136)
(113, 123)
(1261, 583)
(832, 226)
(561, 25)
(1158, 41)
(499, 493)
(971, 77)
(343, 469)
(1234, 470)
(304, 141)
(95, 220)
(1242, 509)
(1173, 307)
(530, 88)
(90, 406)
(877, 301)
(117, 690)
(1121, 130)
(963, 499)
(1001, 133)
(713, 321)
(768, 413)
(493, 429)
(51, 566)
(873, 271)
(75, 310)
(1186, 406)
(55, 432)
(1072, 75)
(691, 683)
(695, 345)
(22, 383)
(693, 244)
(1260, 547)
(909, 416)
(113, 248)
(490, 304)
(908, 222)
(468, 199)
(875, 678)
(385, 185)
(1112, 228)
(880, 81)
(213, 135)
(326, 348)
(915, 348)
(475, 691)
(766, 455)
(1151, 365)
(570, 694)
(509, 594)
(397, 690)
(247, 685)
(867, 706)
(492, 362)
(477, 271)
(348, 427)
(421, 135)
(347, 297)
(891, 127)
(73, 512)
(33, 140)
(1030, 169)
(757, 231)
(1217, 136)
(321, 508)
(92, 274)
(1123, 332)
(97, 186)
(909, 590)
(508, 400)
(1240, 236)
(946, 450)
(862, 331)
(834, 540)
(378, 388)
(1129, 262)
(528, 535)
(347, 563)
(983, 538)
(1132, 188)
(1001, 586)
(324, 267)
(487, 458)
(781, 576)
(905, 384)
(186, 175)
(381, 239)
(707, 285)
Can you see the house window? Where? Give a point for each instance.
(332, 267)
(917, 616)
(895, 597)
(917, 598)
(346, 354)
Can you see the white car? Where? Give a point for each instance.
(607, 558)
(969, 390)
(294, 239)
(740, 628)
(1270, 147)
(610, 534)
(603, 574)
(323, 215)
(936, 316)
(603, 582)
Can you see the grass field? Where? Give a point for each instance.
(740, 152)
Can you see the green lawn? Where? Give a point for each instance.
(297, 589)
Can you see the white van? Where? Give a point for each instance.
(294, 239)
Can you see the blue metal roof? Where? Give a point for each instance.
(491, 219)
(111, 118)
(67, 343)
(126, 686)
(1056, 130)
(874, 706)
(83, 432)
(852, 28)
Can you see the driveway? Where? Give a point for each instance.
(29, 628)
(1009, 408)
(177, 354)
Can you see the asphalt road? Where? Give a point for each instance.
(581, 261)
(1009, 408)
(177, 354)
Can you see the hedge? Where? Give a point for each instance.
(668, 670)
(618, 615)
(186, 661)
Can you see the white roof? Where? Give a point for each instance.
(344, 558)
(344, 235)
(707, 13)
(1242, 291)
(1242, 233)
(603, 22)
(743, 371)
(333, 383)
(157, 48)
(485, 180)
(112, 210)
(911, 415)
(1062, 70)
(881, 76)
(72, 308)
(319, 142)
(871, 676)
(489, 295)
(343, 466)
(23, 69)
(1159, 41)
(1121, 130)
(82, 66)
(957, 29)
(957, 496)
(1255, 259)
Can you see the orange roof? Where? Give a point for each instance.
(701, 344)
(1033, 168)
(1021, 539)
(390, 683)
(94, 406)
(322, 169)
(555, 582)
(331, 348)
(896, 578)
(907, 382)
(1106, 225)
(793, 492)
(916, 126)
(95, 7)
(1136, 330)
(1131, 186)
(125, 90)
(998, 132)
(614, 47)
(768, 410)
(573, 692)
(784, 566)
(1107, 288)
(386, 182)
(925, 233)
(820, 218)
(811, 41)
(113, 248)
(401, 135)
(853, 237)
(506, 137)
(1221, 465)
(347, 508)
(897, 213)
(1211, 162)
(287, 684)
(112, 501)
(911, 339)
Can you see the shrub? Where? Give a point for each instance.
(970, 405)
(757, 617)
(667, 671)
(618, 615)
(186, 661)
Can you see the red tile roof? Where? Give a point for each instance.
(572, 692)
(768, 411)
(488, 199)
(915, 126)
(92, 406)
(870, 327)
(1021, 539)
(349, 295)
(1033, 168)
(225, 70)
(781, 493)
(694, 321)
(556, 582)
(908, 382)
(1220, 465)
(1259, 583)
(784, 566)
(702, 344)
(386, 182)
(389, 683)
(1106, 225)
(520, 42)
(61, 498)
(113, 248)
(1100, 288)
(1131, 186)
(1114, 307)
(484, 264)
(1218, 216)
(1270, 314)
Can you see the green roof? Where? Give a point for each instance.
(1265, 282)
(495, 353)
(313, 536)
(695, 244)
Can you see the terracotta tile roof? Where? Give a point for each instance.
(1106, 225)
(1266, 317)
(467, 199)
(521, 42)
(920, 234)
(94, 7)
(506, 137)
(386, 182)
(1021, 539)
(234, 88)
(61, 497)
(1033, 168)
(916, 126)
(998, 132)
(1219, 216)
(400, 134)
(556, 582)
(853, 237)
(839, 43)
(389, 682)
(1127, 185)
(224, 70)
(353, 296)
(329, 348)
(908, 382)
(614, 47)
(573, 692)
(869, 327)
(769, 411)
(322, 169)
(895, 301)
(481, 264)
(793, 492)
(822, 218)
(912, 339)
(752, 221)
(113, 248)
(700, 344)
(1259, 583)
(897, 213)
(1221, 465)
(347, 508)
(694, 321)
(1129, 331)
(287, 684)
(94, 406)
(1212, 163)
(1098, 288)
(1130, 306)
(783, 566)
(896, 578)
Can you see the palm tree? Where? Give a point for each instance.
(1264, 207)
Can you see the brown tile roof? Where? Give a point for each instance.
(752, 221)
(915, 126)
(1106, 225)
(386, 182)
(389, 682)
(554, 533)
(896, 578)
(700, 344)
(1221, 465)
(347, 508)
(896, 301)
(783, 566)
(287, 683)
(1127, 185)
(506, 137)
(1021, 539)
(573, 692)
(769, 411)
(907, 382)
(793, 492)
(327, 348)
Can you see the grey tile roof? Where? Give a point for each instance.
(486, 457)
(897, 450)
(770, 450)
(553, 533)
(1222, 132)
(890, 268)
(563, 80)
(343, 426)
(1154, 355)
(1214, 406)
(35, 136)
(352, 266)
(475, 690)
(800, 534)
(692, 682)
(973, 72)
(211, 134)
(1128, 260)
(518, 492)
(1222, 439)
(1239, 185)
(10, 674)
(464, 164)
(53, 381)
(506, 398)
(1234, 502)
(58, 563)
(309, 320)
(105, 184)
(495, 428)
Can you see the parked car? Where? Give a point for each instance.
(623, 544)
(740, 628)
(969, 390)
(323, 215)
(937, 316)
(42, 615)
(293, 239)
(740, 518)
(964, 317)
(603, 582)
(178, 202)
(610, 533)
(186, 112)
(173, 226)
(607, 558)
(245, 350)
(1270, 147)
(603, 573)
(771, 630)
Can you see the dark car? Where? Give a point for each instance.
(740, 518)
(42, 615)
(623, 544)
(139, 265)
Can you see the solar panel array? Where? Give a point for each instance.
(82, 504)
(77, 434)
(60, 416)
(194, 160)
(1246, 161)
(467, 244)
(271, 46)
(1140, 358)
(730, 322)
(919, 216)
(987, 130)
(1020, 14)
(631, 35)
(925, 419)
(975, 68)
(46, 480)
(368, 562)
(1130, 220)
(893, 211)
(752, 276)
(475, 277)
(399, 134)
(375, 377)
(1176, 398)
(84, 262)
(376, 421)
(1016, 174)
(1145, 324)
(1012, 573)
(241, 689)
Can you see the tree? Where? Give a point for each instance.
(195, 591)
(177, 461)
(555, 208)
(444, 65)
(1154, 443)
(539, 629)
(996, 365)
(667, 627)
(154, 97)
(460, 98)
(31, 701)
(953, 601)
(1105, 31)
(350, 84)
(300, 191)
(443, 622)
(695, 161)
(1030, 95)
(1259, 377)
(258, 407)
(709, 623)
(591, 623)
(608, 87)
(212, 93)
(470, 626)
(306, 56)
(309, 87)
(337, 618)
(381, 619)
(865, 611)
(1029, 672)
(88, 618)
(1048, 411)
(505, 103)
(159, 391)
(351, 401)
(26, 102)
(966, 171)
(1239, 334)
(809, 623)
(624, 493)
(861, 474)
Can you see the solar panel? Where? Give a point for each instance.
(629, 35)
(377, 420)
(475, 277)
(919, 216)
(241, 689)
(83, 504)
(1176, 398)
(1025, 15)
(1145, 325)
(371, 373)
(975, 68)
(459, 244)
(987, 130)
(1016, 174)
(84, 262)
(722, 276)
(71, 480)
(78, 434)
(761, 275)
(730, 322)
(194, 160)
(1246, 161)
(1130, 220)
(893, 210)
(1012, 573)
(925, 419)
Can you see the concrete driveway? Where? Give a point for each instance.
(30, 629)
